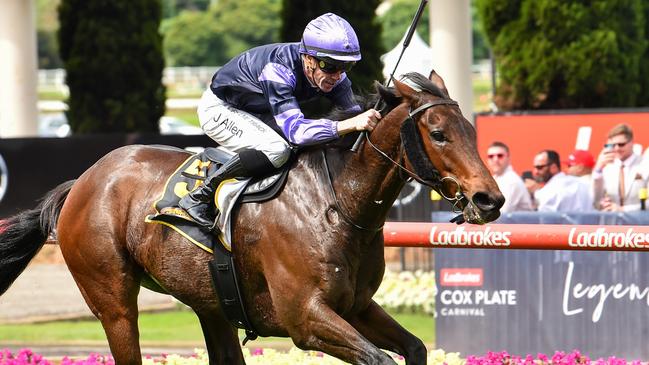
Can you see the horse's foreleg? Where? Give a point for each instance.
(221, 339)
(322, 329)
(382, 330)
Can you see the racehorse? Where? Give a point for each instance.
(309, 261)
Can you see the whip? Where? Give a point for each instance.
(406, 42)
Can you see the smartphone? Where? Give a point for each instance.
(527, 175)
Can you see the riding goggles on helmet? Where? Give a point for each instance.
(332, 67)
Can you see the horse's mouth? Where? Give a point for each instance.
(474, 215)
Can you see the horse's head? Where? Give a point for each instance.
(440, 147)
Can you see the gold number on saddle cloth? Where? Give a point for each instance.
(198, 168)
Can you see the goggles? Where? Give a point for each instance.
(327, 66)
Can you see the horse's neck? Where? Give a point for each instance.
(367, 183)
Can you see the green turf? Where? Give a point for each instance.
(188, 115)
(172, 328)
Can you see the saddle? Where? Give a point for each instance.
(189, 176)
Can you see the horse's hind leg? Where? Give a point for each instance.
(109, 283)
(221, 339)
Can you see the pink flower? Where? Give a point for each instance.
(257, 352)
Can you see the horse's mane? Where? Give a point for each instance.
(423, 83)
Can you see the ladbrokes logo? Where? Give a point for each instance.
(601, 238)
(461, 277)
(460, 237)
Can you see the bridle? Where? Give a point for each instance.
(425, 172)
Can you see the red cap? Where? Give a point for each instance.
(581, 157)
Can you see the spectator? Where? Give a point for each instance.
(509, 183)
(560, 192)
(580, 163)
(618, 175)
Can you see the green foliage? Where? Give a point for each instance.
(213, 37)
(193, 38)
(171, 8)
(643, 95)
(46, 25)
(396, 20)
(48, 51)
(112, 53)
(360, 14)
(566, 53)
(247, 23)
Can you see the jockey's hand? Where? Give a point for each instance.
(365, 121)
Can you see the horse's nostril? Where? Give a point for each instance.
(487, 202)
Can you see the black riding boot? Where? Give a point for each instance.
(198, 203)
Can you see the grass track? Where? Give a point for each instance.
(173, 328)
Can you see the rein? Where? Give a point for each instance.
(425, 172)
(345, 216)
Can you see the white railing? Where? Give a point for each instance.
(195, 78)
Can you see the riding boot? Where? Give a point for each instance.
(198, 203)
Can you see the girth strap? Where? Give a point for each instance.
(224, 278)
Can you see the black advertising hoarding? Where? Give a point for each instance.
(529, 302)
(30, 167)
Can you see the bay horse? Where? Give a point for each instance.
(309, 261)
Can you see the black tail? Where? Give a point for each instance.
(24, 234)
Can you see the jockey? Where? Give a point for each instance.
(251, 106)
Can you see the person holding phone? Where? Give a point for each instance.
(618, 175)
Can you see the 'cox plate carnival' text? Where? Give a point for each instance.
(461, 237)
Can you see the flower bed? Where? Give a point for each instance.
(295, 356)
(408, 291)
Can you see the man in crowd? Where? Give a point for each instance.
(618, 175)
(560, 192)
(580, 163)
(510, 184)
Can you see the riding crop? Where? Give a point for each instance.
(406, 42)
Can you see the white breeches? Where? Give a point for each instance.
(235, 129)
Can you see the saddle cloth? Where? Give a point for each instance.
(189, 176)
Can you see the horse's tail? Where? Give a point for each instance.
(24, 234)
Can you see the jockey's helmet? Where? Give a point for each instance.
(330, 37)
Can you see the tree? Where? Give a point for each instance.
(112, 53)
(215, 36)
(48, 53)
(247, 23)
(396, 20)
(566, 53)
(194, 38)
(360, 14)
(643, 95)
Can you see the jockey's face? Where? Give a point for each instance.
(322, 80)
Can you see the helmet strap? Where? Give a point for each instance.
(309, 69)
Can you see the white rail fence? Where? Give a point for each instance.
(183, 79)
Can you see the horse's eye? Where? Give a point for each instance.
(438, 136)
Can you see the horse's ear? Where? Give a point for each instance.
(437, 81)
(405, 90)
(387, 95)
